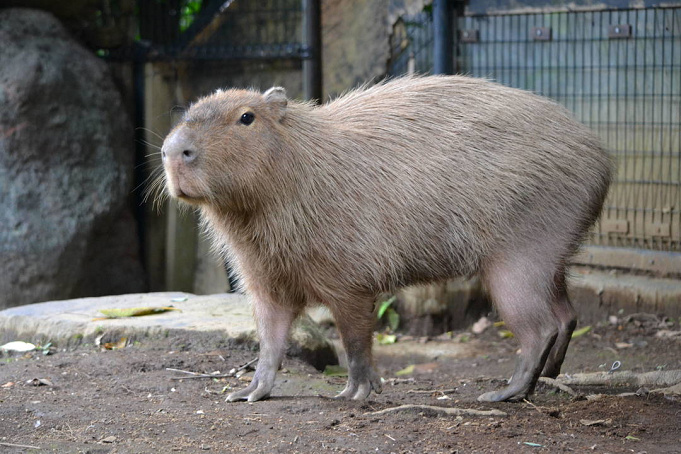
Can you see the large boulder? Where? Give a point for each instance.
(66, 162)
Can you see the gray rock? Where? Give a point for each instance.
(66, 161)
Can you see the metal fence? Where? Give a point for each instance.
(215, 30)
(619, 71)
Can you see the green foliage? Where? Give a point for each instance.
(188, 13)
(385, 310)
(335, 371)
(386, 339)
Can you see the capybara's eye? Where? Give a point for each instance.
(247, 118)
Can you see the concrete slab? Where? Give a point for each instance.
(231, 314)
(597, 294)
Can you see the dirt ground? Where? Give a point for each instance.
(126, 401)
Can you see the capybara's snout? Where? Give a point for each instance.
(179, 146)
(180, 154)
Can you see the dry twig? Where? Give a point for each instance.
(440, 410)
(625, 378)
(556, 384)
(12, 445)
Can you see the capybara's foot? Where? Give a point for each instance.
(359, 389)
(258, 389)
(511, 394)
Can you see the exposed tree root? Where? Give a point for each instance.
(625, 378)
(440, 410)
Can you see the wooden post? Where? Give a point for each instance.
(171, 233)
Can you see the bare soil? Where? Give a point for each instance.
(126, 401)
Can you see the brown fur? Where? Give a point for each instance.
(410, 181)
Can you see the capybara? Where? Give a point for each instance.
(410, 181)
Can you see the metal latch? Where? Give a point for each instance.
(619, 31)
(541, 33)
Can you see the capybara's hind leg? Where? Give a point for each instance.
(273, 324)
(567, 320)
(521, 289)
(355, 322)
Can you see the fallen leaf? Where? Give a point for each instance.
(18, 346)
(406, 371)
(136, 311)
(498, 324)
(581, 331)
(386, 339)
(335, 371)
(505, 334)
(595, 422)
(39, 382)
(667, 333)
(534, 445)
(109, 439)
(623, 345)
(122, 343)
(9, 384)
(632, 438)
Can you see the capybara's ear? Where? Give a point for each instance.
(276, 97)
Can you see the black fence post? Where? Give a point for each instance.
(443, 37)
(312, 63)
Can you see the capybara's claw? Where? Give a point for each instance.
(252, 393)
(360, 389)
(508, 394)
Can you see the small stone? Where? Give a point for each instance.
(109, 439)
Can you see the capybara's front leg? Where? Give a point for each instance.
(274, 323)
(356, 326)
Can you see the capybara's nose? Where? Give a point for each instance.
(188, 156)
(178, 147)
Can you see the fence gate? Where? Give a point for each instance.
(619, 71)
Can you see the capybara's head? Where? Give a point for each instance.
(224, 143)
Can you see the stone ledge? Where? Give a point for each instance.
(597, 294)
(61, 322)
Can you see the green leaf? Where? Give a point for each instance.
(505, 334)
(385, 305)
(632, 438)
(393, 319)
(581, 331)
(335, 371)
(386, 339)
(406, 371)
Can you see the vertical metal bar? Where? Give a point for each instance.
(639, 100)
(674, 153)
(443, 37)
(622, 143)
(650, 42)
(312, 64)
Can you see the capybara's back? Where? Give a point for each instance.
(413, 180)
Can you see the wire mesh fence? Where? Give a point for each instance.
(212, 30)
(619, 71)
